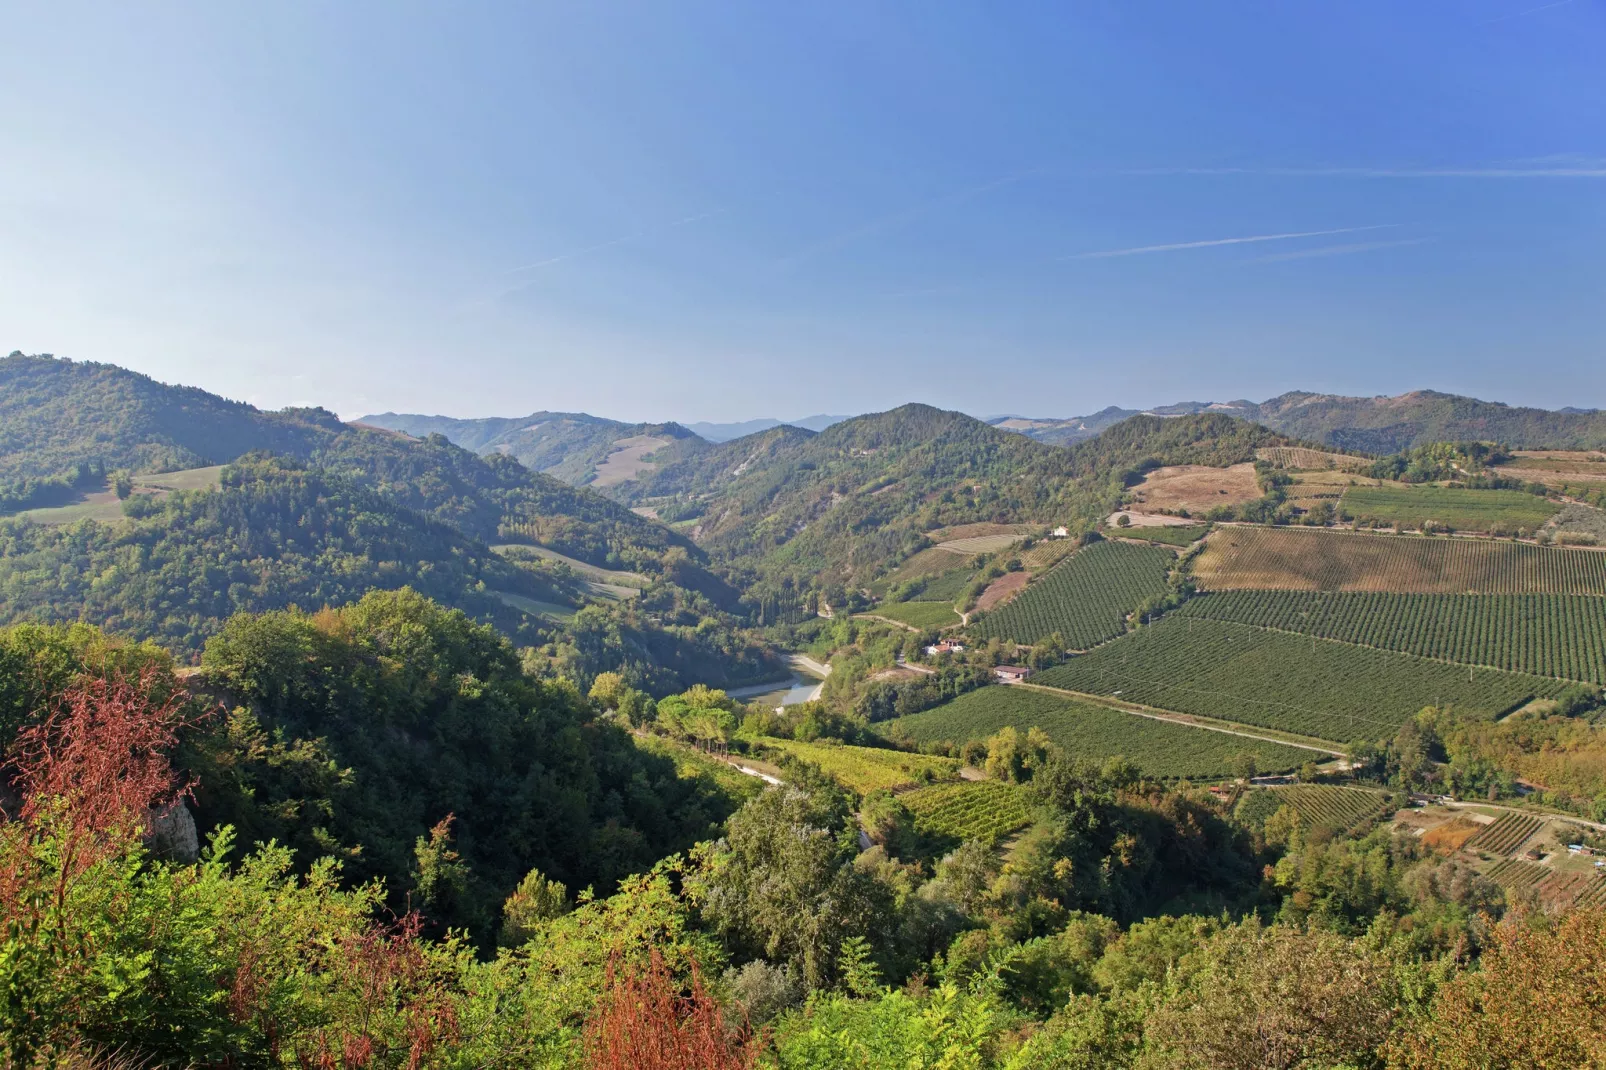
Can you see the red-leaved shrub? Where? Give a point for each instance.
(646, 1022)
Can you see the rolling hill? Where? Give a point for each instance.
(571, 446)
(1371, 425)
(841, 506)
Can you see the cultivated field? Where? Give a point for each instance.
(1300, 457)
(1506, 834)
(1314, 687)
(627, 462)
(1002, 590)
(1169, 535)
(1557, 466)
(1318, 805)
(985, 810)
(1086, 598)
(613, 577)
(867, 769)
(1314, 559)
(918, 614)
(962, 532)
(1046, 554)
(1545, 634)
(928, 562)
(1095, 733)
(1195, 487)
(1454, 507)
(1148, 520)
(980, 544)
(535, 608)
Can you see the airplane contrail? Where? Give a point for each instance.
(1175, 246)
(1520, 14)
(1340, 250)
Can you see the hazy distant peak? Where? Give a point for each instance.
(726, 432)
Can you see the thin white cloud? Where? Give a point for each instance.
(1594, 170)
(1520, 14)
(1140, 250)
(1339, 250)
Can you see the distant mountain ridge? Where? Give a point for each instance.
(1372, 425)
(716, 432)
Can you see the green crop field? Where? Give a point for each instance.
(918, 614)
(1170, 534)
(1315, 687)
(1086, 597)
(945, 587)
(867, 769)
(1084, 730)
(1316, 559)
(1454, 507)
(1546, 634)
(985, 810)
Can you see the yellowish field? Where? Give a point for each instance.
(974, 531)
(1046, 553)
(625, 463)
(1300, 457)
(980, 544)
(105, 507)
(605, 576)
(1555, 467)
(1317, 559)
(1195, 487)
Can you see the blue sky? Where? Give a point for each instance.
(720, 211)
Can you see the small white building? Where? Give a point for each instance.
(1011, 674)
(1062, 532)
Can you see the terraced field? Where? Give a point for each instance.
(1455, 507)
(1545, 634)
(1506, 834)
(1313, 559)
(1095, 733)
(986, 810)
(1086, 598)
(1314, 687)
(867, 769)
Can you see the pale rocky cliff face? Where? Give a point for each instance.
(172, 836)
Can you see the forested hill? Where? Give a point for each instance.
(55, 414)
(568, 445)
(1370, 425)
(837, 506)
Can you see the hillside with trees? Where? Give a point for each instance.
(1367, 425)
(566, 445)
(839, 507)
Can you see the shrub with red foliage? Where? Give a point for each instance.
(646, 1022)
(95, 766)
